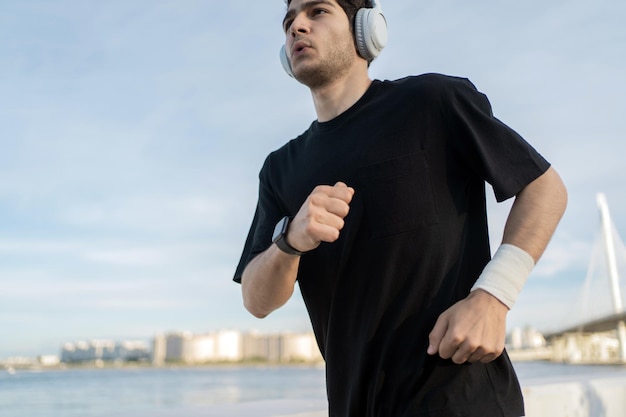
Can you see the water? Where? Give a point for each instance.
(107, 392)
(144, 391)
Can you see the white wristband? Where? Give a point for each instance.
(506, 273)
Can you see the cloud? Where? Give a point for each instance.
(129, 304)
(173, 215)
(563, 255)
(130, 257)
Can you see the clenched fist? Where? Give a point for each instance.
(321, 217)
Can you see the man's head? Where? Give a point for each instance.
(365, 26)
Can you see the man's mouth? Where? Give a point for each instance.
(299, 47)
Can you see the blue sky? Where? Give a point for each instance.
(132, 132)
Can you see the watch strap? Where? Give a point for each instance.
(281, 237)
(284, 246)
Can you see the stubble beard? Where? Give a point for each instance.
(330, 68)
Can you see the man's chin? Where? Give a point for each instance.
(309, 76)
(314, 76)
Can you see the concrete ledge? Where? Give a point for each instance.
(269, 408)
(598, 397)
(274, 408)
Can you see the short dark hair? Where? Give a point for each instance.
(350, 7)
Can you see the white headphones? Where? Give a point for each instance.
(370, 32)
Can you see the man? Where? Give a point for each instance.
(378, 211)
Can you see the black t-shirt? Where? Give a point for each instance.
(417, 152)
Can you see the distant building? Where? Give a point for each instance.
(260, 347)
(301, 347)
(48, 360)
(158, 349)
(601, 347)
(185, 347)
(104, 351)
(526, 338)
(280, 348)
(19, 362)
(132, 351)
(229, 346)
(234, 346)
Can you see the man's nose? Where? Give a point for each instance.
(299, 25)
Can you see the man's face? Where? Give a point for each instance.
(319, 41)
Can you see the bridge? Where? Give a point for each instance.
(603, 337)
(600, 325)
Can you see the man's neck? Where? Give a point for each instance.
(333, 99)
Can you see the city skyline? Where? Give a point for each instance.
(132, 134)
(181, 347)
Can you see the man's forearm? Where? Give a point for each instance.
(268, 281)
(530, 225)
(536, 213)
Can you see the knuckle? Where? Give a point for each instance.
(316, 199)
(320, 189)
(456, 338)
(473, 345)
(445, 354)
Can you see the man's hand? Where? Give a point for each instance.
(321, 217)
(472, 330)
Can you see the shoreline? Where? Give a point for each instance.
(105, 365)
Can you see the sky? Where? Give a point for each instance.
(132, 133)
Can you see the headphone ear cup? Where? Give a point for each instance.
(284, 60)
(359, 33)
(370, 32)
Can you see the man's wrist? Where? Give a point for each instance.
(479, 292)
(506, 273)
(280, 237)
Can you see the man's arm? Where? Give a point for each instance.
(535, 214)
(474, 329)
(268, 281)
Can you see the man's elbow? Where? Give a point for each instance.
(253, 302)
(254, 309)
(258, 314)
(263, 293)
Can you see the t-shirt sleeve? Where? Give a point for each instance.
(491, 149)
(267, 214)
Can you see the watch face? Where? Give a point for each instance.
(280, 229)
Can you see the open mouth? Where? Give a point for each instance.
(299, 47)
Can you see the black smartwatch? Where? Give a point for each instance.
(280, 237)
